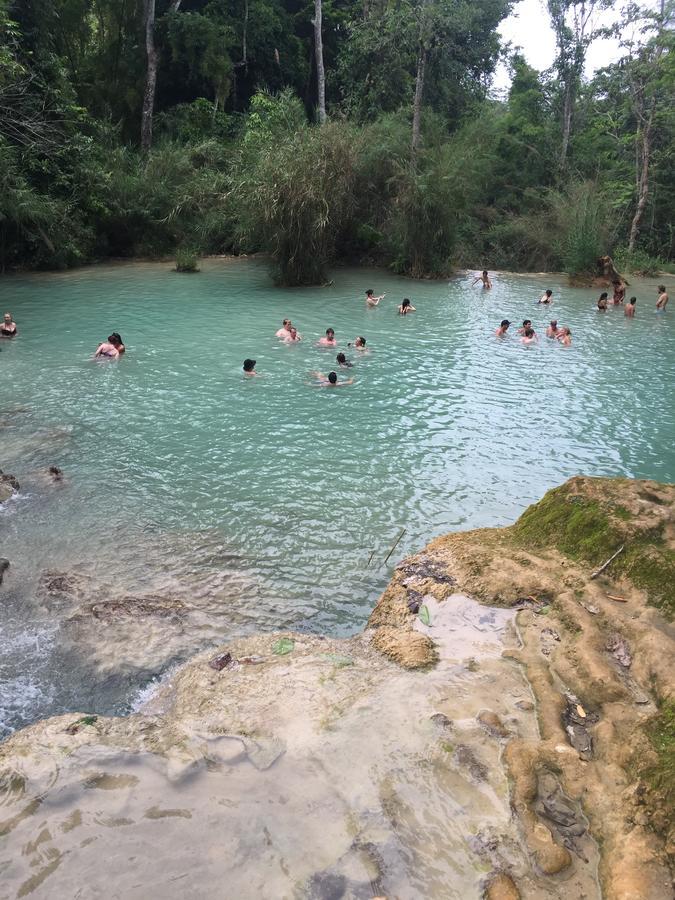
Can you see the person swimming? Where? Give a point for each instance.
(116, 339)
(343, 362)
(662, 302)
(629, 308)
(529, 337)
(406, 307)
(249, 367)
(371, 299)
(285, 328)
(553, 331)
(546, 297)
(619, 292)
(8, 327)
(602, 302)
(292, 336)
(484, 277)
(107, 349)
(331, 380)
(565, 337)
(359, 344)
(527, 323)
(328, 340)
(503, 328)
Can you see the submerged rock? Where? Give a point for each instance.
(492, 723)
(501, 886)
(4, 565)
(9, 485)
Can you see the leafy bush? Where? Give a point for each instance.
(639, 262)
(187, 261)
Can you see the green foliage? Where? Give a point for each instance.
(660, 775)
(187, 261)
(639, 262)
(283, 646)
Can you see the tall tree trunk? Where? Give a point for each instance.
(417, 101)
(151, 72)
(320, 72)
(568, 106)
(643, 181)
(150, 76)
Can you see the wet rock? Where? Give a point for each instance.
(577, 721)
(492, 723)
(424, 567)
(222, 661)
(561, 813)
(415, 601)
(55, 473)
(441, 720)
(618, 647)
(501, 886)
(4, 565)
(466, 759)
(9, 485)
(326, 886)
(57, 589)
(136, 607)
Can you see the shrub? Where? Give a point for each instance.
(637, 262)
(186, 261)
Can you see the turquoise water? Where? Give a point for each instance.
(269, 502)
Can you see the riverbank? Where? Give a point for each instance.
(388, 764)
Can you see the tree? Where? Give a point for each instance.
(572, 22)
(320, 72)
(151, 72)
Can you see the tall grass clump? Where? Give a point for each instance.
(583, 217)
(297, 198)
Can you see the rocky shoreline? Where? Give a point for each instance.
(446, 748)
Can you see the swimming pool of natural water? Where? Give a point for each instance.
(269, 502)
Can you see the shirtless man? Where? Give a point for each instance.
(527, 325)
(546, 297)
(503, 328)
(330, 380)
(662, 302)
(565, 337)
(371, 299)
(553, 331)
(619, 292)
(484, 277)
(285, 329)
(292, 336)
(8, 327)
(107, 350)
(629, 309)
(529, 337)
(328, 340)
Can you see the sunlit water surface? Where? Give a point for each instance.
(269, 502)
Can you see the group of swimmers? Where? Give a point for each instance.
(289, 334)
(619, 297)
(529, 336)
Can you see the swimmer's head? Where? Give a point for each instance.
(505, 323)
(341, 358)
(370, 292)
(330, 333)
(617, 282)
(484, 271)
(567, 331)
(603, 296)
(360, 342)
(112, 340)
(116, 339)
(332, 377)
(529, 332)
(406, 303)
(662, 290)
(632, 301)
(554, 323)
(8, 316)
(527, 323)
(292, 330)
(249, 365)
(549, 292)
(286, 323)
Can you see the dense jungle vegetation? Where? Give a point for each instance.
(319, 130)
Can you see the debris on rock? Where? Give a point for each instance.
(549, 638)
(618, 647)
(222, 661)
(577, 721)
(561, 813)
(441, 720)
(423, 567)
(467, 759)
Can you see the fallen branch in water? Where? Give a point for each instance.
(370, 559)
(395, 545)
(618, 599)
(604, 565)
